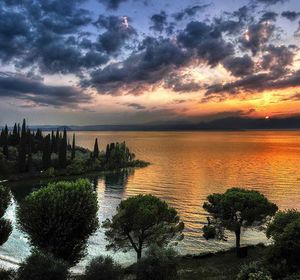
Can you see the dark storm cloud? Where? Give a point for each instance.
(150, 65)
(112, 4)
(291, 15)
(190, 11)
(269, 16)
(277, 58)
(256, 36)
(159, 21)
(270, 2)
(46, 34)
(20, 87)
(208, 43)
(117, 33)
(239, 66)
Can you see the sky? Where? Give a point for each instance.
(82, 62)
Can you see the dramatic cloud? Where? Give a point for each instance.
(112, 4)
(181, 83)
(190, 11)
(291, 15)
(159, 21)
(271, 2)
(239, 66)
(20, 87)
(118, 32)
(256, 35)
(208, 43)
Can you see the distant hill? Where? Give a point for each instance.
(230, 123)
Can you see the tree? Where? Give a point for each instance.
(285, 232)
(42, 266)
(46, 158)
(103, 268)
(237, 208)
(62, 153)
(73, 147)
(96, 149)
(159, 264)
(60, 218)
(141, 221)
(5, 225)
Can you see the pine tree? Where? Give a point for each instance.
(62, 155)
(107, 153)
(5, 145)
(73, 147)
(96, 149)
(46, 152)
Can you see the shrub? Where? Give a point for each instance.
(60, 218)
(41, 266)
(103, 268)
(158, 264)
(7, 274)
(76, 167)
(254, 271)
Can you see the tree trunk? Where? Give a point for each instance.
(238, 241)
(139, 254)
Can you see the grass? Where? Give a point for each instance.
(219, 266)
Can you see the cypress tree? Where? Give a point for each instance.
(30, 148)
(22, 153)
(73, 147)
(5, 145)
(107, 153)
(23, 131)
(96, 149)
(62, 155)
(47, 152)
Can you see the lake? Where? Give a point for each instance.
(185, 168)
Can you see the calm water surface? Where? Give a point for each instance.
(186, 167)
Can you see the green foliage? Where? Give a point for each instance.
(254, 271)
(209, 232)
(158, 264)
(238, 208)
(76, 167)
(5, 225)
(60, 218)
(42, 266)
(62, 152)
(96, 149)
(7, 274)
(285, 232)
(103, 268)
(47, 152)
(141, 221)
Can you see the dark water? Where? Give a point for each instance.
(186, 167)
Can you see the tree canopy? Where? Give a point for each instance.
(60, 218)
(285, 232)
(141, 221)
(237, 208)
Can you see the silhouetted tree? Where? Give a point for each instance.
(60, 218)
(96, 149)
(141, 221)
(62, 155)
(234, 209)
(47, 152)
(5, 225)
(73, 147)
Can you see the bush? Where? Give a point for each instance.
(292, 277)
(254, 271)
(158, 264)
(41, 266)
(60, 218)
(76, 167)
(209, 232)
(103, 268)
(7, 274)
